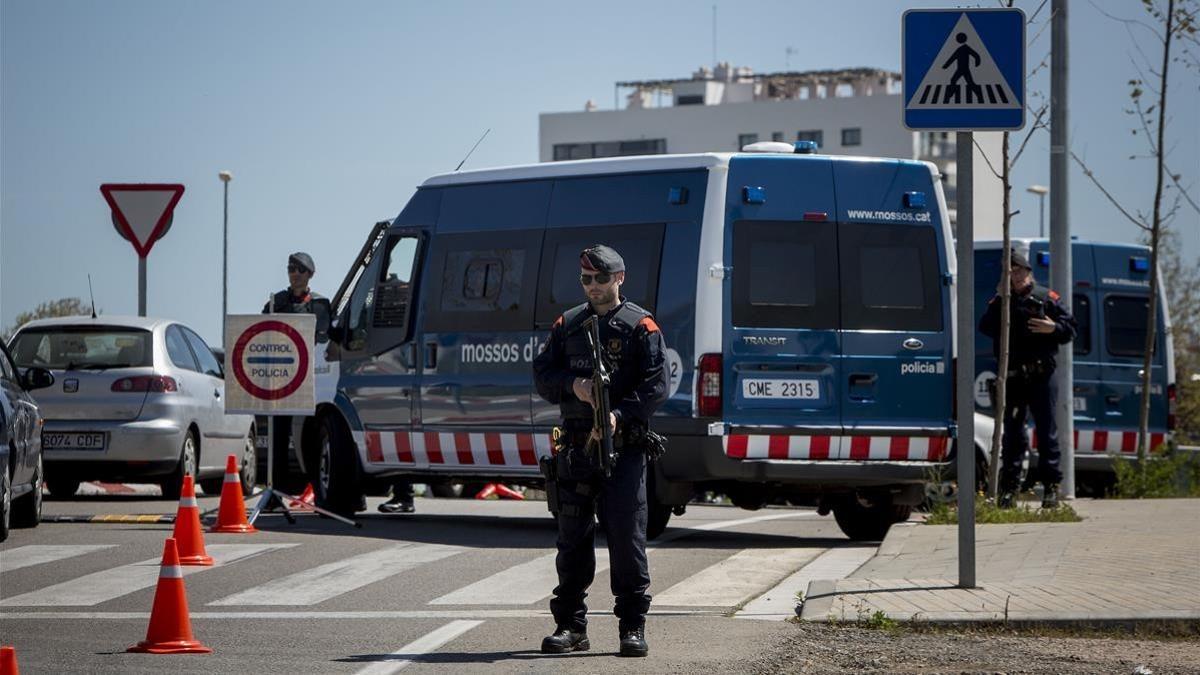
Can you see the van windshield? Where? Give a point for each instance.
(88, 347)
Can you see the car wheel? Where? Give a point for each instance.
(446, 490)
(172, 486)
(337, 487)
(866, 521)
(27, 511)
(249, 471)
(5, 500)
(62, 488)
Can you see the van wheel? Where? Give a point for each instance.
(62, 488)
(749, 496)
(446, 490)
(172, 485)
(657, 515)
(337, 486)
(867, 521)
(27, 511)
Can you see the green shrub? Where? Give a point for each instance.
(1168, 472)
(987, 513)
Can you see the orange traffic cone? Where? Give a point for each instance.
(487, 491)
(231, 516)
(187, 527)
(8, 661)
(307, 498)
(170, 629)
(507, 492)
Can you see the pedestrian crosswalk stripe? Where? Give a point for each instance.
(37, 554)
(333, 579)
(522, 584)
(98, 587)
(780, 602)
(423, 645)
(963, 75)
(735, 578)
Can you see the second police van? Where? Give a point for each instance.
(805, 300)
(1110, 301)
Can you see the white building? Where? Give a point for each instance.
(847, 112)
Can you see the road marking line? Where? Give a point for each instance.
(342, 576)
(684, 531)
(98, 587)
(523, 584)
(307, 615)
(732, 580)
(780, 602)
(37, 554)
(419, 647)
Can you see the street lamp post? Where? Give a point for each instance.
(225, 177)
(1040, 191)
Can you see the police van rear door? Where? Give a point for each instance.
(781, 359)
(895, 312)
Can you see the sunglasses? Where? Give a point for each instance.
(297, 268)
(600, 278)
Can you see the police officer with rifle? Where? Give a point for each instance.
(604, 366)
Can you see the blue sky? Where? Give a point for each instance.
(329, 114)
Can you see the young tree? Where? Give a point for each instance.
(47, 310)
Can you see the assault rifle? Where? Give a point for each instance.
(601, 411)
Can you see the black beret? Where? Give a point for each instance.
(304, 260)
(600, 258)
(1019, 260)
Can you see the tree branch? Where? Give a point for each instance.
(1113, 200)
(1182, 190)
(985, 158)
(1029, 134)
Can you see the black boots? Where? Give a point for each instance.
(1008, 499)
(565, 640)
(633, 642)
(1050, 496)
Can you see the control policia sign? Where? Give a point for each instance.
(270, 364)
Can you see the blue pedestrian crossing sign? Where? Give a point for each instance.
(963, 69)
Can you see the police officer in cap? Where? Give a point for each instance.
(1038, 324)
(635, 351)
(297, 298)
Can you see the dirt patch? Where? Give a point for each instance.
(824, 648)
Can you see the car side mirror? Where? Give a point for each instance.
(37, 378)
(322, 309)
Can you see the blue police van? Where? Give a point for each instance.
(1110, 300)
(805, 300)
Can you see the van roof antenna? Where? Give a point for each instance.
(464, 159)
(92, 296)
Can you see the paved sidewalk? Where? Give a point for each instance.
(1127, 560)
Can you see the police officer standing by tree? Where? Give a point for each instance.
(577, 487)
(297, 298)
(1038, 325)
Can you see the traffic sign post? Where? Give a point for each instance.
(142, 213)
(271, 365)
(964, 71)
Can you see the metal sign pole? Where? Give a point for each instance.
(141, 286)
(965, 401)
(1061, 274)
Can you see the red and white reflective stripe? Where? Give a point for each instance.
(1106, 441)
(780, 446)
(188, 502)
(232, 478)
(460, 448)
(170, 572)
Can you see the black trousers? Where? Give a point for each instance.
(620, 503)
(1034, 395)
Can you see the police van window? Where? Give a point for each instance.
(393, 293)
(889, 278)
(486, 281)
(1081, 308)
(208, 362)
(785, 275)
(177, 349)
(558, 284)
(1125, 322)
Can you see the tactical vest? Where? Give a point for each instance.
(616, 343)
(283, 303)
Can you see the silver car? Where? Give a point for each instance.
(135, 399)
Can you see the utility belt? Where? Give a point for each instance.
(573, 461)
(1032, 369)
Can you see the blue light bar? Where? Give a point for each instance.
(1043, 258)
(1139, 264)
(754, 195)
(677, 195)
(805, 147)
(914, 200)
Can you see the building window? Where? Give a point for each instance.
(852, 136)
(746, 139)
(777, 135)
(653, 146)
(690, 99)
(814, 135)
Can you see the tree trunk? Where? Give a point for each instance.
(999, 406)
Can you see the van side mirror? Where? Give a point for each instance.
(323, 310)
(37, 378)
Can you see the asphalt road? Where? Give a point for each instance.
(459, 586)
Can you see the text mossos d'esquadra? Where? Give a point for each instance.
(499, 352)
